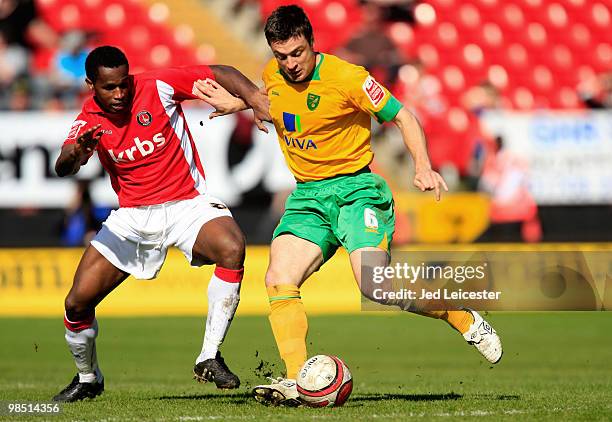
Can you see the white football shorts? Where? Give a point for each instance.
(136, 240)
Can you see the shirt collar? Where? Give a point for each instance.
(92, 107)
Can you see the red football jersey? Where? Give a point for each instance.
(149, 152)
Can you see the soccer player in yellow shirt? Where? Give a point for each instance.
(322, 107)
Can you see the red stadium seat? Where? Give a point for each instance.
(469, 16)
(603, 56)
(425, 15)
(114, 15)
(580, 36)
(401, 34)
(446, 35)
(69, 16)
(517, 57)
(473, 57)
(453, 78)
(498, 76)
(428, 54)
(567, 98)
(557, 16)
(492, 35)
(523, 99)
(536, 36)
(335, 14)
(561, 57)
(512, 17)
(600, 15)
(542, 80)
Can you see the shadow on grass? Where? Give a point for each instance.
(238, 398)
(406, 397)
(506, 397)
(357, 399)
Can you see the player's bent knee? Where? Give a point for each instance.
(77, 309)
(277, 278)
(232, 252)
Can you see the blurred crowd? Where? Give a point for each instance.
(39, 68)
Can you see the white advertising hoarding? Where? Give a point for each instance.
(30, 143)
(569, 153)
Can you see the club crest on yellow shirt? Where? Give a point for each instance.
(312, 101)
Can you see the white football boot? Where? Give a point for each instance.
(484, 338)
(281, 392)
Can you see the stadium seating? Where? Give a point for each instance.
(534, 52)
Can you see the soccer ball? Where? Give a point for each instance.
(324, 381)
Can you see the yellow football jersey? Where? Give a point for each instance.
(324, 124)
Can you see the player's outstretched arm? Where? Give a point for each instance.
(239, 85)
(73, 156)
(414, 139)
(218, 97)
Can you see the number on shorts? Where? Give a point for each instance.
(369, 218)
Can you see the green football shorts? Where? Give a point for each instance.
(354, 211)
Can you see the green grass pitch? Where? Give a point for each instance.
(556, 366)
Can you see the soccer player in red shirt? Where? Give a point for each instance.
(137, 126)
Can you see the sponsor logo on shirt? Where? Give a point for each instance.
(292, 122)
(303, 144)
(144, 118)
(374, 91)
(76, 128)
(144, 147)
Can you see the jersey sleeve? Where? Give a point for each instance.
(370, 96)
(180, 80)
(80, 125)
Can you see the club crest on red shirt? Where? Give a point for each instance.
(144, 118)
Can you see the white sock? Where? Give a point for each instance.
(223, 298)
(82, 345)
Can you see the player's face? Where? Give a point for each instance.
(295, 57)
(112, 88)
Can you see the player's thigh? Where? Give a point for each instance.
(307, 217)
(94, 279)
(366, 217)
(292, 260)
(206, 233)
(220, 240)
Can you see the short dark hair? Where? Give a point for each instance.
(105, 56)
(287, 22)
